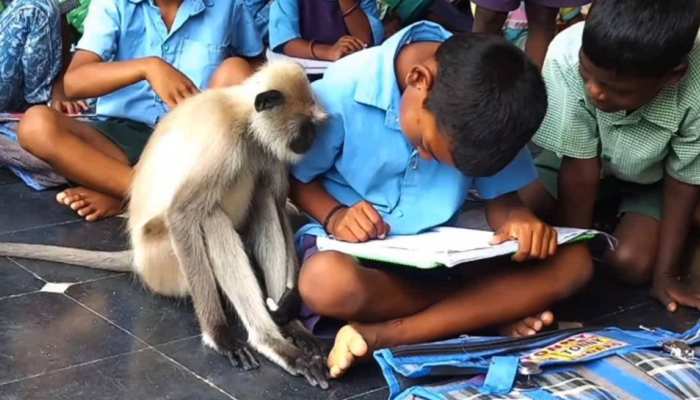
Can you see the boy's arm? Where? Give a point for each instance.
(511, 220)
(89, 76)
(358, 223)
(578, 183)
(680, 200)
(356, 19)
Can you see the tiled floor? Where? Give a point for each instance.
(75, 333)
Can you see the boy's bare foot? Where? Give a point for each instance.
(349, 348)
(90, 204)
(528, 326)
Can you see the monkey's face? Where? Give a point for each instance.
(287, 116)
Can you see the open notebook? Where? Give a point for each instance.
(442, 246)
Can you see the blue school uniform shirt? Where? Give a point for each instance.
(204, 33)
(284, 22)
(361, 153)
(260, 10)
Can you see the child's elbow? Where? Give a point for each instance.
(70, 88)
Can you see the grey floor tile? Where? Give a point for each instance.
(7, 177)
(124, 300)
(141, 375)
(24, 208)
(268, 382)
(41, 332)
(15, 280)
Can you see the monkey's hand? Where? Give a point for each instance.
(358, 223)
(236, 350)
(304, 339)
(169, 83)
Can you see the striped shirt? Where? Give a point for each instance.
(663, 135)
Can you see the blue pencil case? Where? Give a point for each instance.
(581, 363)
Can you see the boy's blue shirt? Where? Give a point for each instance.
(361, 153)
(205, 32)
(284, 22)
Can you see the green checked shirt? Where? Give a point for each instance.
(635, 147)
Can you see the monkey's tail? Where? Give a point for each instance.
(120, 261)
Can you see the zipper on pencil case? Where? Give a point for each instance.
(510, 344)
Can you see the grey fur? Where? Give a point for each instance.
(211, 183)
(120, 261)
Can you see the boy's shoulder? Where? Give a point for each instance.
(342, 78)
(565, 47)
(689, 87)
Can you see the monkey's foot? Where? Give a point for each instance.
(349, 348)
(89, 204)
(528, 326)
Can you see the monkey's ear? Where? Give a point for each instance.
(268, 100)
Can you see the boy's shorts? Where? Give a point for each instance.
(510, 5)
(130, 136)
(633, 197)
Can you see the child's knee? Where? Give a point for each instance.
(37, 129)
(232, 71)
(632, 265)
(575, 271)
(328, 284)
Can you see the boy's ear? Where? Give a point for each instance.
(677, 74)
(420, 77)
(268, 100)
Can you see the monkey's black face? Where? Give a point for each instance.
(304, 139)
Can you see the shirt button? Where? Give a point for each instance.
(399, 213)
(166, 47)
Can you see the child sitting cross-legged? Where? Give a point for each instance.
(624, 124)
(414, 126)
(141, 59)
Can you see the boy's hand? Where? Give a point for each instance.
(344, 46)
(357, 224)
(536, 239)
(170, 84)
(672, 292)
(69, 107)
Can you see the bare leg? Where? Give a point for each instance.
(83, 155)
(541, 28)
(231, 72)
(394, 311)
(634, 258)
(488, 21)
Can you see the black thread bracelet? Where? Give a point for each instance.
(330, 214)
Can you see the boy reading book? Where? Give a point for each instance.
(415, 125)
(625, 106)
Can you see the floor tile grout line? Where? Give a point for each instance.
(40, 227)
(356, 396)
(12, 296)
(608, 315)
(196, 375)
(12, 260)
(53, 371)
(150, 347)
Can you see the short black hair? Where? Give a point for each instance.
(643, 38)
(488, 98)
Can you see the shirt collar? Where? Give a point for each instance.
(378, 87)
(197, 3)
(662, 111)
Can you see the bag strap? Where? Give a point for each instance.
(501, 375)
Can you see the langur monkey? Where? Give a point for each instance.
(208, 197)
